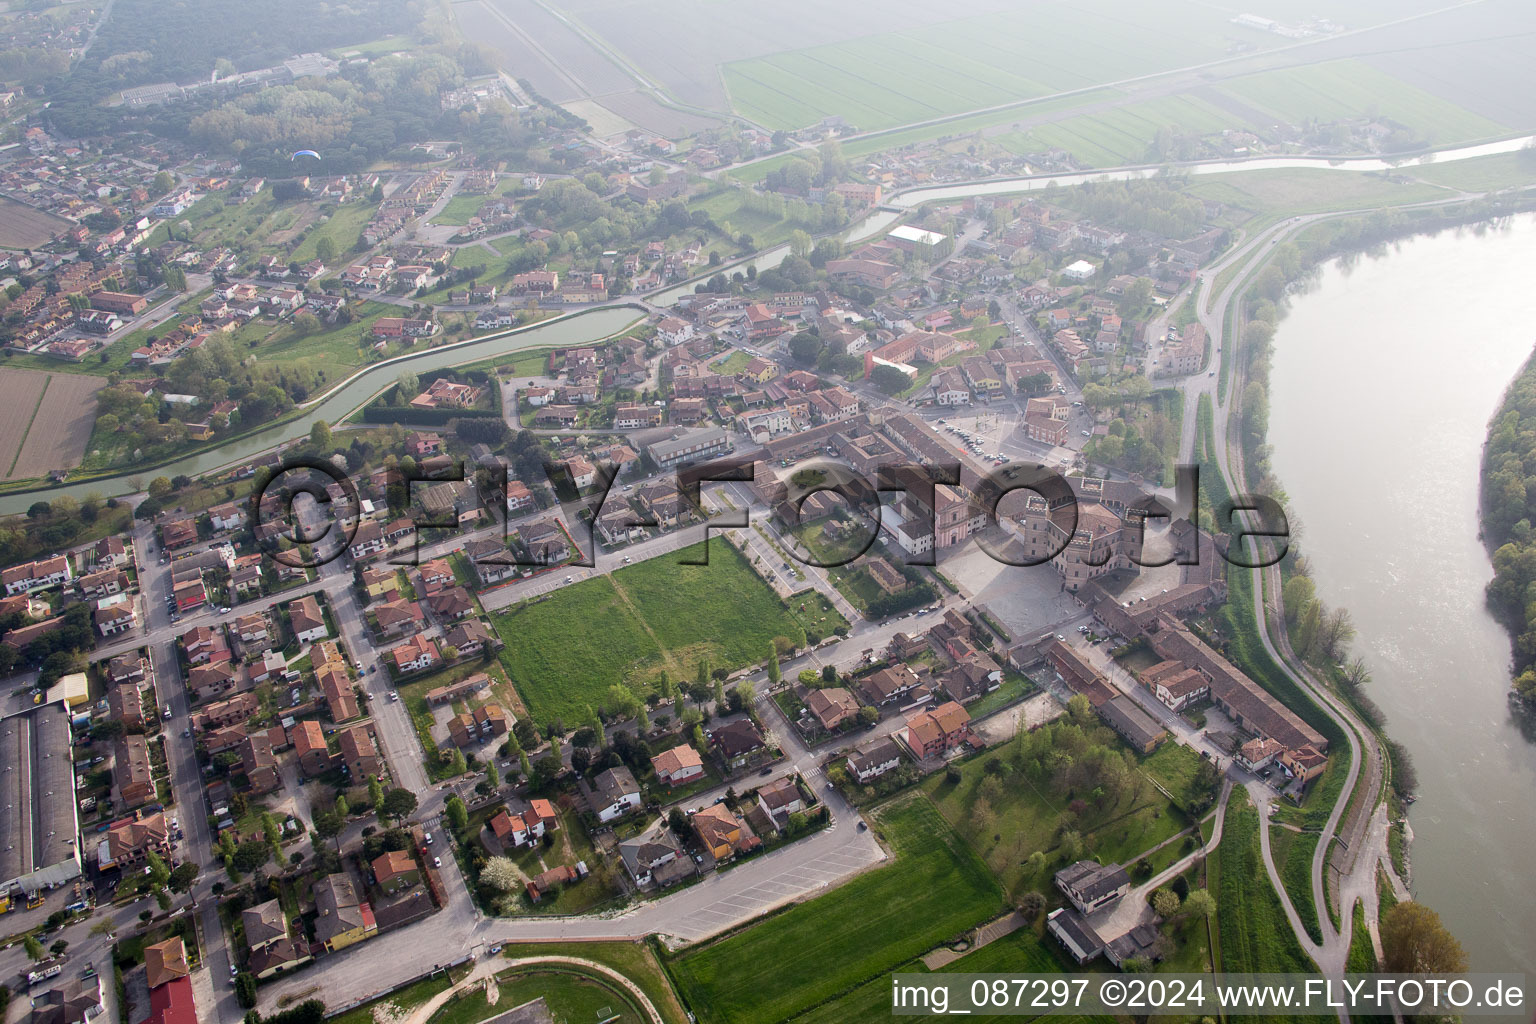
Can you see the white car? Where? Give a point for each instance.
(437, 862)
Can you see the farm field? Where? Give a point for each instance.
(23, 227)
(47, 420)
(1124, 135)
(818, 950)
(896, 78)
(652, 616)
(1352, 88)
(21, 391)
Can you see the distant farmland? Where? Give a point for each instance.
(22, 227)
(45, 420)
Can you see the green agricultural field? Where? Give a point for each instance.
(1344, 89)
(640, 620)
(1007, 818)
(1125, 135)
(897, 78)
(819, 950)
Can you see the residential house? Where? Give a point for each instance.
(131, 771)
(259, 763)
(308, 622)
(415, 655)
(1091, 885)
(341, 918)
(833, 707)
(358, 752)
(737, 742)
(874, 759)
(721, 832)
(678, 766)
(615, 793)
(396, 871)
(935, 733)
(780, 798)
(308, 741)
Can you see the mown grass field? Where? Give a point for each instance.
(896, 78)
(1022, 952)
(830, 946)
(1125, 135)
(564, 651)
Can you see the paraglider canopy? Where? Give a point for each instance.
(304, 152)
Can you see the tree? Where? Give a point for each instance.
(1200, 902)
(1164, 903)
(1030, 904)
(329, 824)
(493, 775)
(804, 348)
(250, 855)
(889, 379)
(33, 947)
(1414, 941)
(163, 183)
(458, 814)
(183, 876)
(677, 821)
(159, 487)
(58, 947)
(245, 990)
(325, 250)
(399, 804)
(376, 796)
(500, 874)
(773, 667)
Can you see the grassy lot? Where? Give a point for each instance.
(656, 615)
(1015, 687)
(398, 1003)
(1485, 173)
(1176, 767)
(634, 960)
(1024, 819)
(460, 208)
(1255, 936)
(1285, 193)
(819, 950)
(1293, 857)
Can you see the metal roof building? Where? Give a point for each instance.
(39, 829)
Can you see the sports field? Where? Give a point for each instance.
(564, 650)
(818, 950)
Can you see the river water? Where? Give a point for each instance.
(1385, 376)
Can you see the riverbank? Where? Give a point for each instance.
(1405, 355)
(1506, 510)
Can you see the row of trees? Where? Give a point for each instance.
(1508, 509)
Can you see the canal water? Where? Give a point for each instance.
(1386, 373)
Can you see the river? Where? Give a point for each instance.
(1385, 376)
